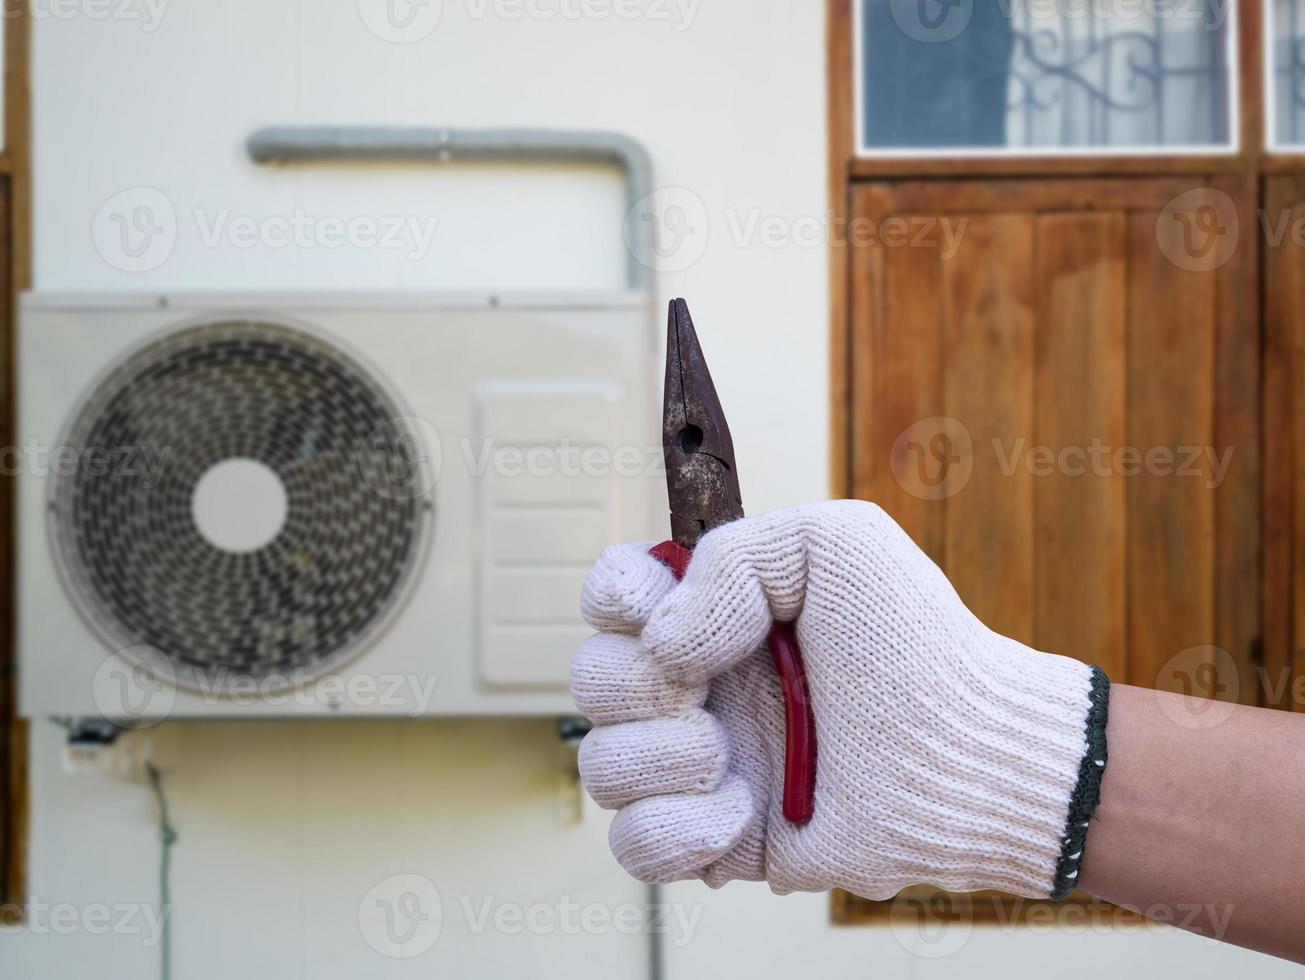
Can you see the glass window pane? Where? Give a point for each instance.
(1287, 64)
(1045, 76)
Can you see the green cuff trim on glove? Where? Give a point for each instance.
(1087, 793)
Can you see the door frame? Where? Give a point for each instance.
(16, 269)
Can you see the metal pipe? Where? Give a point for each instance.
(311, 143)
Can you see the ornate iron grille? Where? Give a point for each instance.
(1032, 73)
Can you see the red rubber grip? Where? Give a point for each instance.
(799, 720)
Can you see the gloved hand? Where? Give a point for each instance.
(947, 754)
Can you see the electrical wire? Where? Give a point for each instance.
(167, 838)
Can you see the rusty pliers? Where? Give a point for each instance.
(703, 485)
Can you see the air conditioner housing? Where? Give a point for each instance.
(443, 469)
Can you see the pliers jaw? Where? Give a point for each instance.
(701, 478)
(704, 493)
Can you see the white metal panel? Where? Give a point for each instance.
(547, 501)
(494, 616)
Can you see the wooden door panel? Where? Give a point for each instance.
(987, 345)
(1041, 411)
(1284, 444)
(1170, 380)
(1079, 600)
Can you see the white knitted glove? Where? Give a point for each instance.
(946, 754)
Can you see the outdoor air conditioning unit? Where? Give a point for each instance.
(331, 504)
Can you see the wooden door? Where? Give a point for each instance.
(1074, 404)
(1054, 389)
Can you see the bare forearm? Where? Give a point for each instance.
(1199, 819)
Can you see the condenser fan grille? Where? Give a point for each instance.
(123, 513)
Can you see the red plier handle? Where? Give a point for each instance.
(799, 719)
